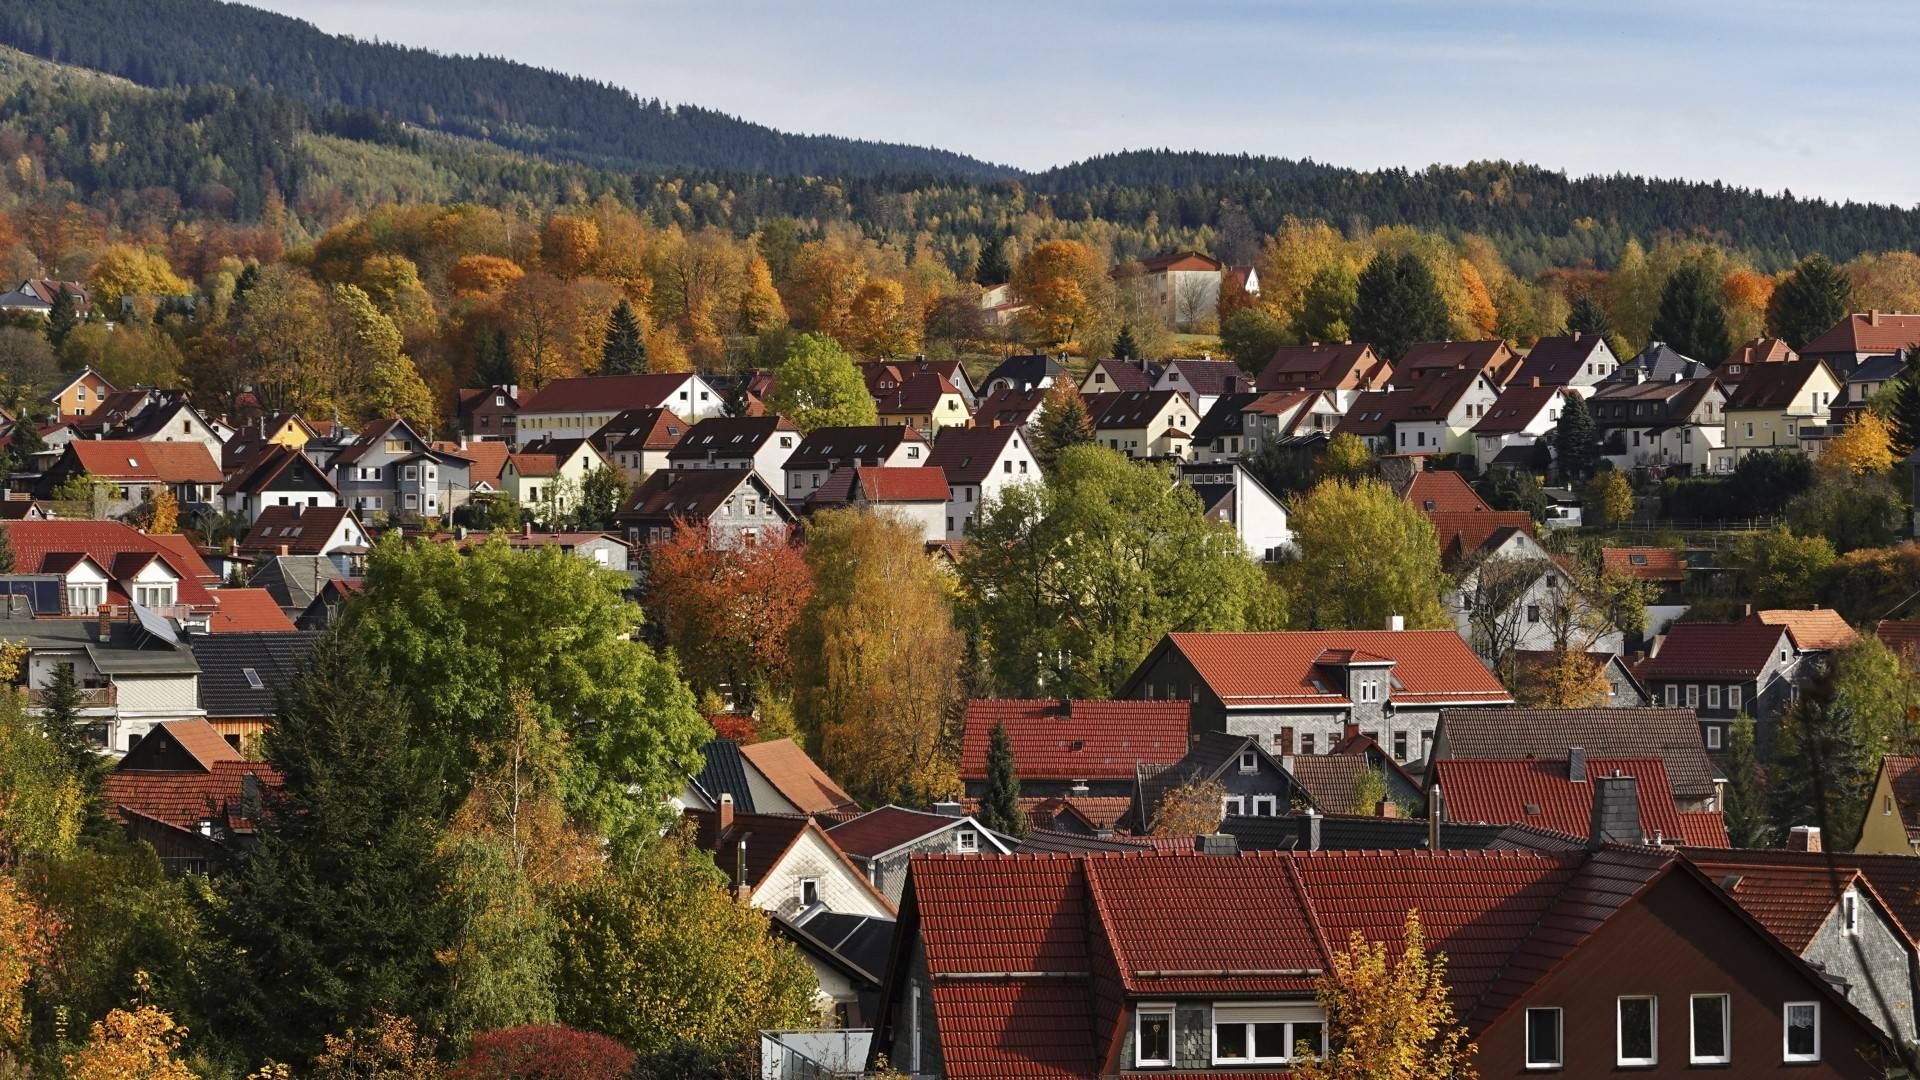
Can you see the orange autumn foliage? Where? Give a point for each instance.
(729, 611)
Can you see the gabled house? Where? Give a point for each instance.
(1252, 781)
(577, 407)
(488, 412)
(546, 476)
(1565, 794)
(1114, 376)
(277, 476)
(1507, 434)
(1748, 354)
(485, 458)
(295, 582)
(1891, 824)
(1863, 336)
(979, 463)
(1204, 381)
(1425, 359)
(247, 611)
(737, 507)
(81, 395)
(1495, 562)
(1865, 381)
(1623, 688)
(331, 531)
(1776, 404)
(1143, 424)
(1670, 735)
(637, 441)
(1330, 780)
(760, 443)
(826, 449)
(1183, 286)
(784, 864)
(1814, 631)
(917, 497)
(881, 842)
(1343, 369)
(926, 401)
(1081, 752)
(1437, 412)
(1011, 408)
(286, 429)
(243, 675)
(1661, 423)
(1239, 425)
(1724, 671)
(155, 416)
(138, 471)
(189, 793)
(111, 564)
(1577, 361)
(36, 295)
(1297, 691)
(1229, 493)
(770, 777)
(132, 674)
(886, 375)
(390, 469)
(1023, 371)
(1658, 362)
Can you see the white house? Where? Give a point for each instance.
(979, 464)
(576, 408)
(1144, 424)
(1523, 414)
(1229, 493)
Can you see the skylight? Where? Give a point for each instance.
(253, 678)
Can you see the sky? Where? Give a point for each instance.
(1815, 97)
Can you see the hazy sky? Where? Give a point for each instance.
(1813, 96)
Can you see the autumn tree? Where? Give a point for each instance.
(1862, 447)
(543, 1052)
(878, 658)
(1369, 791)
(1000, 804)
(127, 272)
(1693, 315)
(1294, 255)
(1608, 499)
(1869, 681)
(28, 933)
(818, 385)
(1397, 303)
(1365, 555)
(879, 322)
(624, 352)
(729, 611)
(283, 330)
(1779, 569)
(1064, 284)
(1389, 1019)
(1071, 582)
(1192, 808)
(1811, 299)
(569, 244)
(483, 275)
(142, 1043)
(1326, 311)
(1566, 679)
(1347, 458)
(165, 518)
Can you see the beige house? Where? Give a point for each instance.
(1774, 405)
(547, 476)
(1891, 825)
(1144, 424)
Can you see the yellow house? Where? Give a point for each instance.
(546, 477)
(1775, 404)
(926, 401)
(288, 430)
(1891, 825)
(1144, 423)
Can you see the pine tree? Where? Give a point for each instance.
(735, 400)
(1693, 317)
(1746, 809)
(1064, 422)
(1398, 304)
(1575, 441)
(624, 353)
(993, 268)
(1821, 770)
(1000, 806)
(1809, 301)
(493, 364)
(1124, 347)
(62, 316)
(1588, 317)
(1904, 404)
(59, 718)
(26, 441)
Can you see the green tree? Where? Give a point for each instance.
(6, 550)
(43, 806)
(1365, 555)
(493, 360)
(1821, 772)
(1124, 347)
(59, 720)
(1850, 511)
(1000, 806)
(1746, 810)
(1397, 302)
(1576, 442)
(1811, 299)
(818, 386)
(1347, 457)
(1327, 305)
(1250, 336)
(1900, 400)
(1693, 314)
(1072, 582)
(1781, 570)
(737, 399)
(1609, 500)
(625, 351)
(62, 316)
(1588, 316)
(1871, 683)
(465, 627)
(1765, 481)
(602, 494)
(337, 911)
(993, 268)
(1064, 422)
(657, 952)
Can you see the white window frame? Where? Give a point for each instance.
(1694, 1057)
(1713, 736)
(1850, 912)
(1249, 761)
(1620, 1030)
(1786, 1029)
(1713, 696)
(1673, 695)
(1141, 1013)
(1693, 696)
(1252, 1014)
(1270, 803)
(801, 887)
(1733, 698)
(966, 841)
(1560, 1038)
(1233, 804)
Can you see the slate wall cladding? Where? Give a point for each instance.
(1875, 963)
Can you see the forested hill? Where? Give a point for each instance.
(191, 43)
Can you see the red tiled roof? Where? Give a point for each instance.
(877, 832)
(487, 458)
(248, 611)
(918, 393)
(1903, 777)
(303, 530)
(1761, 351)
(1444, 493)
(1773, 386)
(1900, 635)
(152, 462)
(104, 542)
(1124, 375)
(1699, 649)
(967, 454)
(1424, 357)
(1868, 332)
(1461, 535)
(1278, 668)
(1095, 812)
(1792, 902)
(795, 776)
(1324, 367)
(604, 393)
(1537, 792)
(1194, 260)
(1812, 629)
(185, 798)
(1645, 563)
(1102, 740)
(901, 484)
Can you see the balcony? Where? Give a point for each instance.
(91, 697)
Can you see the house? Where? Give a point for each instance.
(132, 675)
(1330, 780)
(295, 580)
(770, 777)
(1011, 408)
(155, 416)
(1438, 411)
(1000, 307)
(1081, 752)
(1343, 369)
(279, 429)
(1558, 793)
(848, 954)
(139, 470)
(1670, 735)
(737, 507)
(826, 449)
(308, 530)
(391, 470)
(1661, 424)
(189, 793)
(1229, 493)
(1110, 376)
(488, 412)
(1239, 425)
(1658, 362)
(1183, 286)
(1544, 606)
(1868, 379)
(1577, 361)
(1204, 381)
(546, 476)
(1427, 358)
(1861, 337)
(329, 600)
(81, 395)
(1663, 568)
(1775, 404)
(760, 443)
(111, 564)
(637, 441)
(277, 476)
(247, 611)
(1762, 350)
(599, 548)
(917, 497)
(1252, 781)
(577, 407)
(925, 401)
(881, 842)
(1024, 371)
(979, 464)
(1298, 690)
(36, 295)
(887, 375)
(242, 676)
(1813, 631)
(1724, 671)
(1891, 824)
(784, 864)
(1074, 967)
(485, 458)
(1523, 415)
(1143, 424)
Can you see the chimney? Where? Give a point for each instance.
(1387, 808)
(526, 530)
(106, 622)
(1536, 382)
(283, 551)
(1436, 813)
(463, 440)
(726, 812)
(299, 509)
(947, 808)
(1349, 730)
(1576, 335)
(1310, 830)
(1216, 843)
(1873, 317)
(1396, 622)
(1287, 764)
(1064, 709)
(1616, 811)
(740, 886)
(1577, 765)
(1803, 838)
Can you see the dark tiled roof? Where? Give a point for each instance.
(1672, 735)
(968, 454)
(877, 832)
(302, 530)
(767, 838)
(1556, 361)
(862, 940)
(225, 659)
(1322, 367)
(1773, 386)
(1025, 370)
(1725, 650)
(727, 436)
(1007, 407)
(1516, 407)
(1350, 832)
(725, 773)
(1225, 418)
(823, 448)
(693, 495)
(1126, 375)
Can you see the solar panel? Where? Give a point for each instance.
(154, 625)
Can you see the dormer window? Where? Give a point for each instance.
(1249, 761)
(966, 841)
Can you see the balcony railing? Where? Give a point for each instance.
(91, 697)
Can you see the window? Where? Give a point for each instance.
(85, 599)
(1400, 746)
(1634, 1039)
(1265, 1034)
(1306, 742)
(1266, 805)
(1713, 736)
(1693, 696)
(1673, 695)
(1153, 1035)
(1249, 761)
(1733, 698)
(809, 892)
(1850, 911)
(967, 840)
(1543, 1038)
(1710, 1043)
(253, 678)
(1800, 1035)
(153, 596)
(1533, 613)
(1713, 697)
(1233, 804)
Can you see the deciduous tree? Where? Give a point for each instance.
(1782, 570)
(125, 271)
(1609, 500)
(28, 933)
(1064, 285)
(1389, 1019)
(1190, 809)
(543, 1052)
(879, 322)
(729, 611)
(1567, 679)
(1365, 555)
(1250, 336)
(141, 1043)
(1864, 446)
(818, 386)
(1347, 458)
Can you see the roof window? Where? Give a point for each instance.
(253, 678)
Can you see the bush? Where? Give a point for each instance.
(689, 1061)
(543, 1052)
